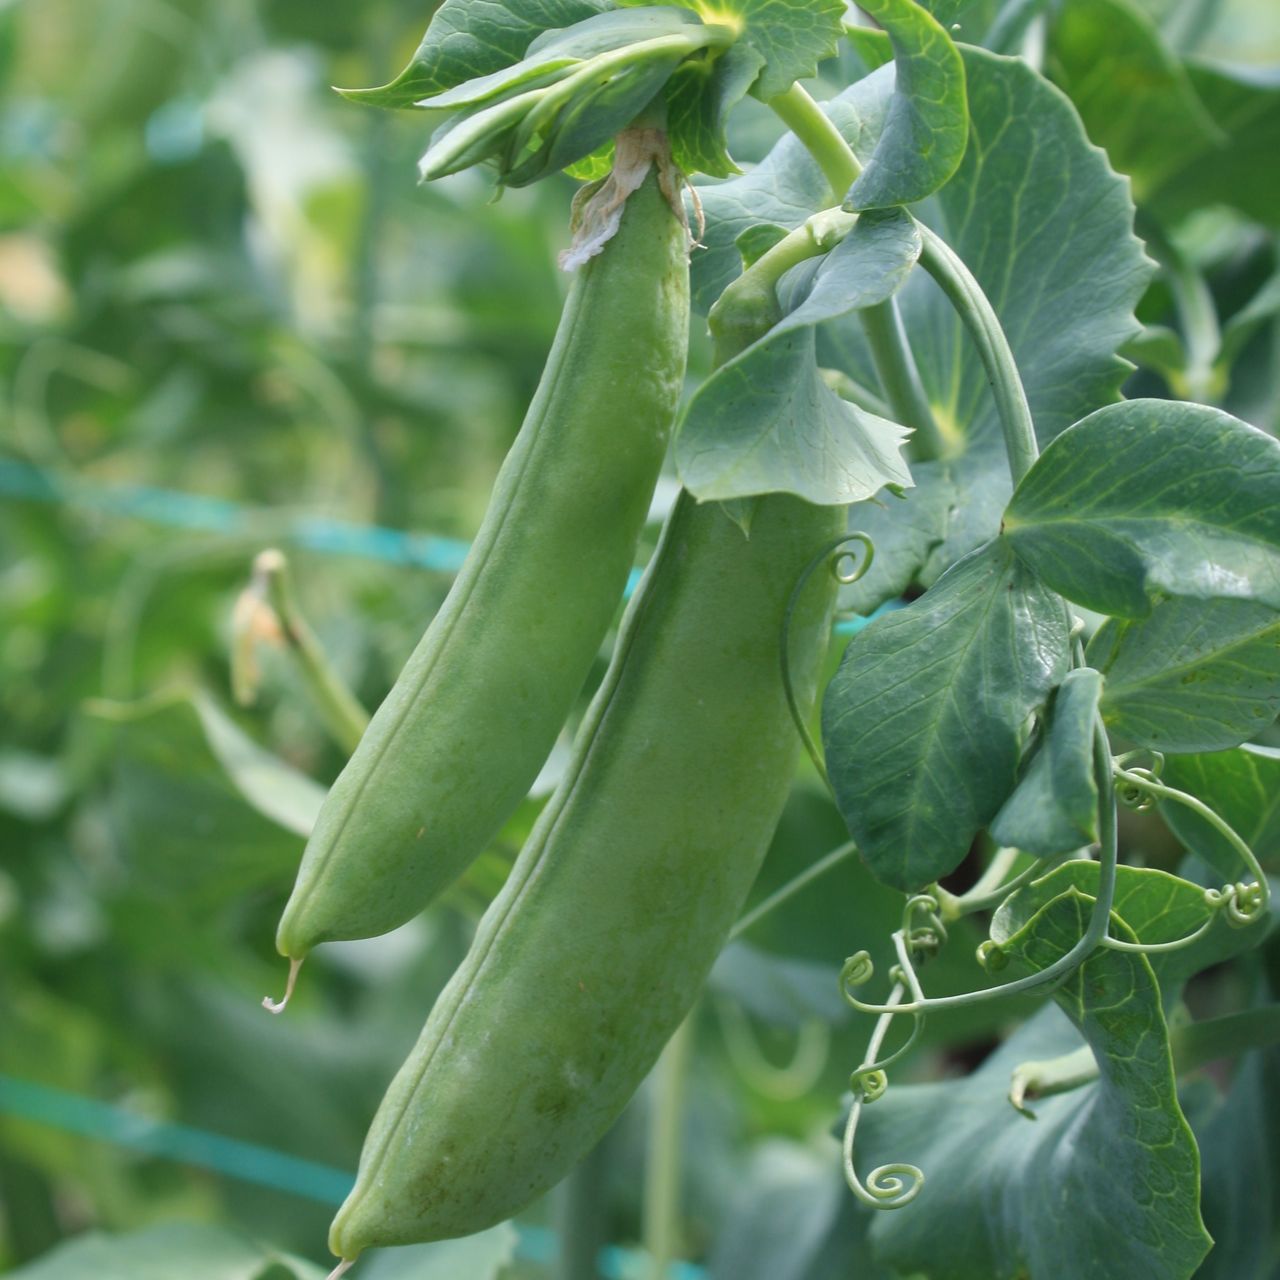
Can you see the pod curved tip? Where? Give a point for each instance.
(279, 1006)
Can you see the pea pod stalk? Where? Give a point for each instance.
(625, 891)
(472, 718)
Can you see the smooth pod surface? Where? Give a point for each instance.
(600, 940)
(471, 720)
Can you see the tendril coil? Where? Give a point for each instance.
(846, 577)
(1242, 903)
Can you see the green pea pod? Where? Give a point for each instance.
(474, 714)
(599, 942)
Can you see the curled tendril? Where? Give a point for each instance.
(889, 1186)
(869, 1083)
(1134, 791)
(1155, 767)
(856, 972)
(1242, 903)
(930, 935)
(991, 956)
(846, 578)
(860, 565)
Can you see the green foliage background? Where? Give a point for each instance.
(220, 281)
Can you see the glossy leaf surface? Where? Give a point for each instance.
(1242, 787)
(923, 722)
(926, 130)
(1152, 496)
(1195, 675)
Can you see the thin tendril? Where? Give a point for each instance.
(1244, 902)
(889, 1186)
(792, 887)
(845, 579)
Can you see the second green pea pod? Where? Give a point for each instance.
(473, 716)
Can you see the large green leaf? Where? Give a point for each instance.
(1054, 808)
(701, 94)
(1156, 908)
(1195, 675)
(926, 129)
(201, 810)
(766, 421)
(466, 40)
(923, 721)
(1148, 497)
(1241, 786)
(792, 36)
(1103, 1183)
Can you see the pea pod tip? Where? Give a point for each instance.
(279, 1006)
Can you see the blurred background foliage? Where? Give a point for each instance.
(230, 319)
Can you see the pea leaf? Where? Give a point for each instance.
(554, 54)
(1118, 1152)
(923, 721)
(926, 129)
(766, 421)
(466, 40)
(701, 94)
(1156, 908)
(1153, 496)
(1195, 675)
(1235, 37)
(791, 36)
(1054, 808)
(1241, 786)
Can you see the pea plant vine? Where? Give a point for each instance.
(918, 302)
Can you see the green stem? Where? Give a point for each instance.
(581, 1216)
(1197, 315)
(340, 709)
(822, 140)
(979, 317)
(748, 307)
(899, 378)
(661, 1226)
(1198, 1043)
(1052, 1075)
(792, 887)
